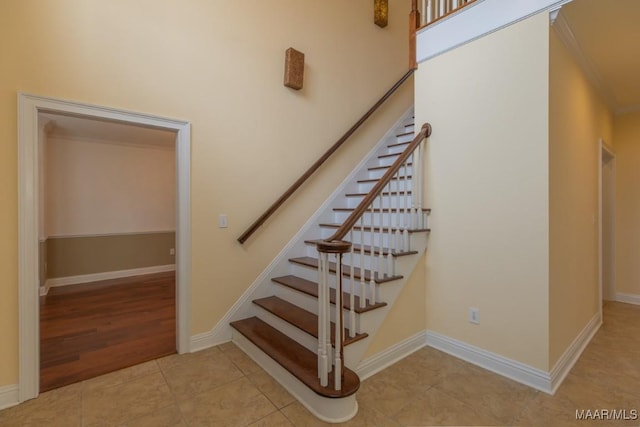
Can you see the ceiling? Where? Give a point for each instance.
(607, 41)
(106, 131)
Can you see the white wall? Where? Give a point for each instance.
(104, 187)
(487, 183)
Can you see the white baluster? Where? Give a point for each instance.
(323, 359)
(442, 5)
(390, 264)
(381, 266)
(352, 291)
(406, 211)
(338, 326)
(372, 257)
(428, 11)
(415, 188)
(398, 240)
(363, 298)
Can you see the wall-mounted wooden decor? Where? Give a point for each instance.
(293, 69)
(381, 12)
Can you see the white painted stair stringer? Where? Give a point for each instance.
(280, 266)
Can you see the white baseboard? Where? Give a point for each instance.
(206, 340)
(517, 371)
(573, 352)
(379, 361)
(8, 396)
(628, 298)
(107, 275)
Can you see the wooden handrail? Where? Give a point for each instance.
(344, 229)
(252, 229)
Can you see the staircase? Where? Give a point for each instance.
(278, 324)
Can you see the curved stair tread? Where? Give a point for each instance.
(301, 318)
(311, 288)
(346, 270)
(368, 249)
(293, 357)
(377, 228)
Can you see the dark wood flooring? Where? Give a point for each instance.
(95, 328)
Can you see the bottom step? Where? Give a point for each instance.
(300, 362)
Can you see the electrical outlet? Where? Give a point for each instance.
(222, 221)
(474, 315)
(172, 251)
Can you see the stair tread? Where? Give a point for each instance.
(399, 144)
(405, 133)
(301, 318)
(377, 228)
(376, 249)
(346, 270)
(299, 361)
(373, 168)
(384, 193)
(311, 288)
(376, 210)
(384, 156)
(364, 181)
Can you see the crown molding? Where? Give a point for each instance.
(562, 27)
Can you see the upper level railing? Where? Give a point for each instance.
(434, 10)
(315, 166)
(369, 240)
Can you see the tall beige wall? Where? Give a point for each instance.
(219, 65)
(577, 120)
(487, 183)
(627, 147)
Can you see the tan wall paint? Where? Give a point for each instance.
(487, 182)
(577, 120)
(75, 256)
(108, 187)
(407, 317)
(627, 146)
(220, 66)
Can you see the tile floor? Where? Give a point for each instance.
(221, 386)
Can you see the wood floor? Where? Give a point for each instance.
(91, 329)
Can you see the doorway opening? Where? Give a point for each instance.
(29, 178)
(106, 246)
(607, 194)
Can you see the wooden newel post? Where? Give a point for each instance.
(338, 248)
(414, 23)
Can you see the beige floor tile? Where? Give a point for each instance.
(301, 417)
(384, 394)
(238, 403)
(121, 376)
(488, 393)
(271, 388)
(56, 408)
(276, 419)
(165, 417)
(121, 403)
(435, 408)
(366, 416)
(239, 358)
(545, 411)
(190, 374)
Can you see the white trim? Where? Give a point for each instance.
(566, 35)
(524, 374)
(107, 275)
(331, 410)
(476, 21)
(628, 298)
(28, 108)
(8, 396)
(125, 233)
(221, 332)
(573, 352)
(382, 360)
